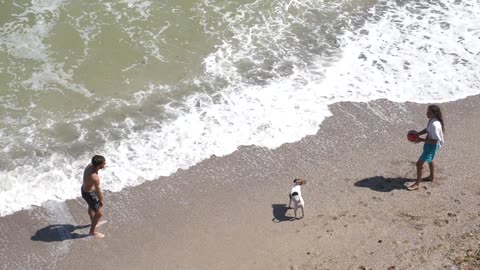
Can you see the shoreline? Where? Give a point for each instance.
(220, 213)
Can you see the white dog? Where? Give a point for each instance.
(296, 196)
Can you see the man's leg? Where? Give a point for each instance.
(91, 214)
(96, 218)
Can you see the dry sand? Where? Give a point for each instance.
(230, 212)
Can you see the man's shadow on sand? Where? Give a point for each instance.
(59, 232)
(280, 213)
(382, 184)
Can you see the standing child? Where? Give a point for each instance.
(432, 142)
(296, 196)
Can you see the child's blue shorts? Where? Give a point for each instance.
(429, 151)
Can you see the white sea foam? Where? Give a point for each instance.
(25, 41)
(205, 126)
(437, 56)
(50, 76)
(432, 56)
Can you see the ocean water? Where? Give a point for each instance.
(155, 86)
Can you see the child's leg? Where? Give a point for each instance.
(303, 214)
(295, 210)
(419, 166)
(289, 203)
(431, 166)
(419, 171)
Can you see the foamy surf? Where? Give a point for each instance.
(272, 85)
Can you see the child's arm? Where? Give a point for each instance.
(424, 131)
(429, 140)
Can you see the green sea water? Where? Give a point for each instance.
(76, 66)
(161, 85)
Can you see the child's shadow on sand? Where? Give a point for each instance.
(382, 184)
(59, 232)
(279, 213)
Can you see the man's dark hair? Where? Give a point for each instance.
(97, 160)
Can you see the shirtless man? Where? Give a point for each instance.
(92, 193)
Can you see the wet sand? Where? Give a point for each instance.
(230, 212)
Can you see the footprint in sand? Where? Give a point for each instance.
(410, 216)
(440, 222)
(419, 226)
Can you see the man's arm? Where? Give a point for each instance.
(98, 190)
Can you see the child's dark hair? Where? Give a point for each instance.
(97, 160)
(435, 109)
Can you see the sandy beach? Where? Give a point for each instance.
(231, 212)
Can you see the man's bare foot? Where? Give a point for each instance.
(428, 179)
(101, 222)
(97, 235)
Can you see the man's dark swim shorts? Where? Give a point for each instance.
(91, 199)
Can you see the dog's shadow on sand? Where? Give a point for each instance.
(59, 232)
(382, 184)
(280, 213)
